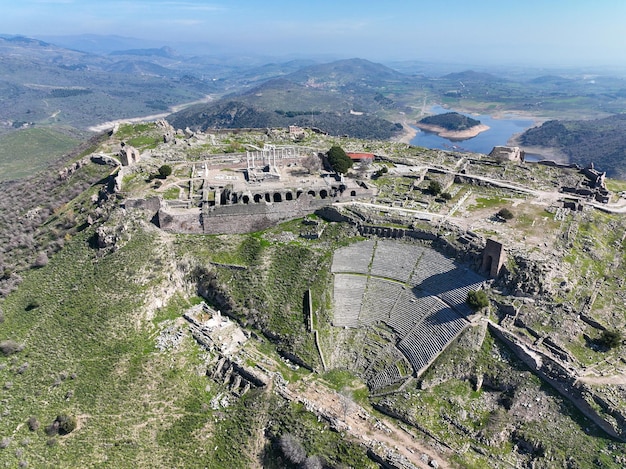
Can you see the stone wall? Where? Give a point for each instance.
(236, 219)
(612, 420)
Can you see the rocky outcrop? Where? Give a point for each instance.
(599, 410)
(101, 158)
(169, 134)
(66, 172)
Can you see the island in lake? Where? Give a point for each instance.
(452, 125)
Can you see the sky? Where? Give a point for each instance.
(539, 32)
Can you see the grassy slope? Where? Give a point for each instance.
(29, 150)
(81, 318)
(134, 404)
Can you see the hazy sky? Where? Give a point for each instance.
(557, 32)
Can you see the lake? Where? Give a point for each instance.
(499, 133)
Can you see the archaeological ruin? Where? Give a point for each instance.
(414, 290)
(269, 186)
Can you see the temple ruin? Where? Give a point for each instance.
(269, 186)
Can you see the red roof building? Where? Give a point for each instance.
(369, 157)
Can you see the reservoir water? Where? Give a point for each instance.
(500, 131)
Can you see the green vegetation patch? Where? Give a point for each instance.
(29, 150)
(88, 353)
(488, 202)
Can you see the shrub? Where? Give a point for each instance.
(313, 462)
(434, 187)
(66, 423)
(477, 299)
(52, 429)
(505, 213)
(9, 347)
(381, 171)
(292, 448)
(165, 171)
(611, 339)
(41, 260)
(33, 424)
(446, 196)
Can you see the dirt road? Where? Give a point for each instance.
(376, 433)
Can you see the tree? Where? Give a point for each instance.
(339, 160)
(434, 187)
(505, 213)
(446, 196)
(477, 299)
(611, 339)
(292, 448)
(312, 163)
(165, 171)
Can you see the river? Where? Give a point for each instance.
(499, 133)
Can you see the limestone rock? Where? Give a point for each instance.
(105, 237)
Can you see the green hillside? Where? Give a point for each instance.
(601, 141)
(28, 150)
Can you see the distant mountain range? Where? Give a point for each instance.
(85, 80)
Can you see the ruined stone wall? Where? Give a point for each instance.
(231, 219)
(564, 381)
(236, 219)
(188, 221)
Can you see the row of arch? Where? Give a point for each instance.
(270, 197)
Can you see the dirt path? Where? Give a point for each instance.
(615, 379)
(361, 425)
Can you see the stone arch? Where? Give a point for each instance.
(323, 193)
(245, 199)
(289, 196)
(257, 198)
(277, 197)
(298, 194)
(234, 198)
(352, 193)
(312, 193)
(268, 198)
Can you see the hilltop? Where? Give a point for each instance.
(452, 125)
(102, 323)
(340, 98)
